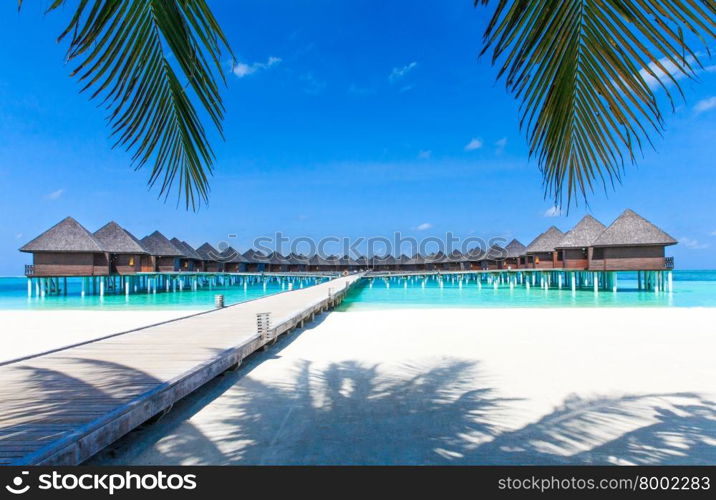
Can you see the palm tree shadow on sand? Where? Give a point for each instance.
(349, 413)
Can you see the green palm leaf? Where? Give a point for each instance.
(123, 50)
(585, 72)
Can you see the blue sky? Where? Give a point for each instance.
(343, 118)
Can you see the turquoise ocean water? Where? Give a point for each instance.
(691, 289)
(13, 295)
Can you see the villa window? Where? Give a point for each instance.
(131, 261)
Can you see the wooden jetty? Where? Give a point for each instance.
(62, 407)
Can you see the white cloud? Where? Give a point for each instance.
(55, 195)
(356, 90)
(399, 73)
(473, 144)
(18, 236)
(693, 244)
(424, 226)
(500, 145)
(312, 85)
(554, 211)
(425, 154)
(713, 233)
(672, 70)
(705, 105)
(241, 69)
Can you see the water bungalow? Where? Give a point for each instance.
(456, 261)
(190, 260)
(347, 263)
(403, 262)
(234, 261)
(541, 253)
(362, 262)
(515, 255)
(416, 262)
(126, 253)
(493, 259)
(575, 249)
(276, 263)
(297, 263)
(631, 243)
(165, 256)
(385, 263)
(255, 261)
(212, 261)
(66, 249)
(316, 263)
(437, 261)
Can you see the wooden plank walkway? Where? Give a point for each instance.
(63, 407)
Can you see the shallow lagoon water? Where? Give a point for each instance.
(13, 295)
(691, 289)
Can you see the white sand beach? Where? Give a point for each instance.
(30, 332)
(457, 386)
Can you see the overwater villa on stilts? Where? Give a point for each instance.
(112, 260)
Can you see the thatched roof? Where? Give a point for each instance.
(475, 254)
(66, 236)
(233, 256)
(113, 238)
(276, 258)
(385, 260)
(457, 256)
(436, 257)
(515, 249)
(158, 245)
(347, 260)
(583, 234)
(417, 259)
(184, 252)
(209, 253)
(631, 229)
(186, 249)
(295, 258)
(546, 241)
(317, 260)
(254, 256)
(496, 252)
(333, 260)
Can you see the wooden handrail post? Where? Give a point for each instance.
(263, 324)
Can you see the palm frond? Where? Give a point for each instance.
(586, 72)
(140, 58)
